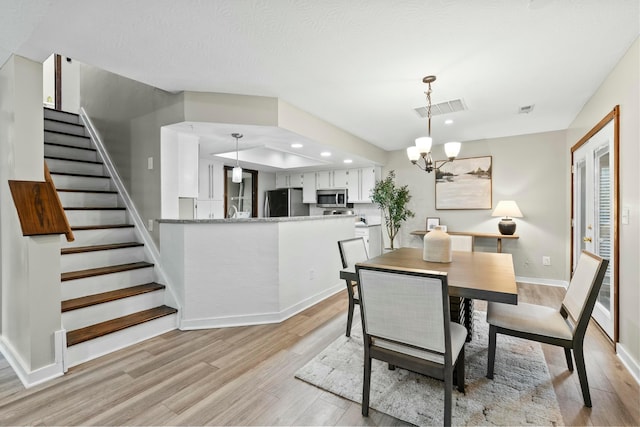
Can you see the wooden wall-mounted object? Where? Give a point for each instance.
(37, 207)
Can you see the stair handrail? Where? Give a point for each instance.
(135, 216)
(47, 178)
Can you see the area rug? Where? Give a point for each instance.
(521, 392)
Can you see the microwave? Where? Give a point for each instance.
(332, 198)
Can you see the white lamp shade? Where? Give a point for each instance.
(412, 153)
(236, 175)
(424, 144)
(507, 208)
(452, 149)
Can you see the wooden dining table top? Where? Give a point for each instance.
(479, 275)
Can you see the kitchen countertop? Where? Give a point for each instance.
(364, 225)
(248, 220)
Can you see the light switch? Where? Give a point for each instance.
(625, 216)
(150, 163)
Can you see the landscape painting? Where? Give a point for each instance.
(464, 183)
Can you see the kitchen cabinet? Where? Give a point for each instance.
(361, 183)
(289, 180)
(372, 239)
(332, 179)
(209, 209)
(210, 180)
(309, 187)
(323, 180)
(340, 178)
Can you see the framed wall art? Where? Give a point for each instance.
(464, 183)
(432, 223)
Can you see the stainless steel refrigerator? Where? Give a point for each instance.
(285, 202)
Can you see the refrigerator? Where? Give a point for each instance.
(285, 202)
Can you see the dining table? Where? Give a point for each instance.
(471, 275)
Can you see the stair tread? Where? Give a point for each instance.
(82, 175)
(62, 121)
(61, 111)
(100, 329)
(100, 227)
(94, 248)
(67, 133)
(57, 144)
(66, 159)
(73, 190)
(89, 300)
(81, 274)
(94, 208)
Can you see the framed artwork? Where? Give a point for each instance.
(464, 183)
(432, 223)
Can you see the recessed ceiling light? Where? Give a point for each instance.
(448, 122)
(296, 145)
(325, 154)
(348, 161)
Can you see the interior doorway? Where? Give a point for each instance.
(595, 211)
(241, 199)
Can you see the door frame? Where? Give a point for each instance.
(615, 116)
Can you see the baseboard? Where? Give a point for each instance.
(540, 281)
(38, 376)
(259, 318)
(632, 366)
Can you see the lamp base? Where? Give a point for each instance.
(507, 226)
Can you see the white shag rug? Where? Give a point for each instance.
(521, 392)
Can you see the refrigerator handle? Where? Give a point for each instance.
(266, 205)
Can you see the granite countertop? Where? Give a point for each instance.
(250, 220)
(365, 225)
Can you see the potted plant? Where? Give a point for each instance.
(392, 200)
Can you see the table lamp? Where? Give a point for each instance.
(507, 209)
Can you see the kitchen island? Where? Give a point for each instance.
(231, 272)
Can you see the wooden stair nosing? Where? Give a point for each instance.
(95, 248)
(73, 190)
(99, 271)
(95, 299)
(67, 133)
(100, 227)
(66, 159)
(104, 328)
(57, 144)
(94, 208)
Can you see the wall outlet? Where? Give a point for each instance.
(150, 225)
(150, 163)
(546, 260)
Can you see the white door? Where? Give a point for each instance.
(593, 213)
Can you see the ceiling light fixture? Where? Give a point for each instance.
(236, 175)
(422, 149)
(296, 145)
(325, 154)
(348, 161)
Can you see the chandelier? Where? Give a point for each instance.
(422, 149)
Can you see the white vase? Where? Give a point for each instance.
(437, 246)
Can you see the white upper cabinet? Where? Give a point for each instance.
(361, 182)
(340, 178)
(210, 180)
(309, 187)
(323, 180)
(289, 180)
(282, 180)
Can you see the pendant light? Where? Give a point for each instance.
(236, 176)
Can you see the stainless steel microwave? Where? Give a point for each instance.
(332, 198)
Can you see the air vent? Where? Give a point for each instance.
(526, 109)
(446, 107)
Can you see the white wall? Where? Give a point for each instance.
(621, 87)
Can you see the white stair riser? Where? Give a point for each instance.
(92, 349)
(101, 237)
(105, 283)
(96, 259)
(81, 182)
(76, 319)
(88, 200)
(64, 127)
(60, 138)
(62, 116)
(68, 166)
(96, 217)
(70, 153)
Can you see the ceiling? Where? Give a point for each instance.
(357, 64)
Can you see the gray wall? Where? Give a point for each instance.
(530, 169)
(622, 88)
(128, 116)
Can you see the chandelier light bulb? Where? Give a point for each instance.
(452, 149)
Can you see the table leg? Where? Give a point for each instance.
(499, 245)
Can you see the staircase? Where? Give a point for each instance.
(110, 298)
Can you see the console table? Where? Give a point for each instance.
(474, 234)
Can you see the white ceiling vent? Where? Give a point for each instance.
(526, 109)
(446, 107)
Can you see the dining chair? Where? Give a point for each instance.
(406, 323)
(565, 327)
(352, 251)
(462, 243)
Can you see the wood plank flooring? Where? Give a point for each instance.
(244, 376)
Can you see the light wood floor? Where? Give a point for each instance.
(244, 376)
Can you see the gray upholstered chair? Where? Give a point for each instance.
(565, 327)
(462, 243)
(406, 323)
(352, 251)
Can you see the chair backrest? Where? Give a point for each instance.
(462, 243)
(410, 308)
(352, 251)
(583, 289)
